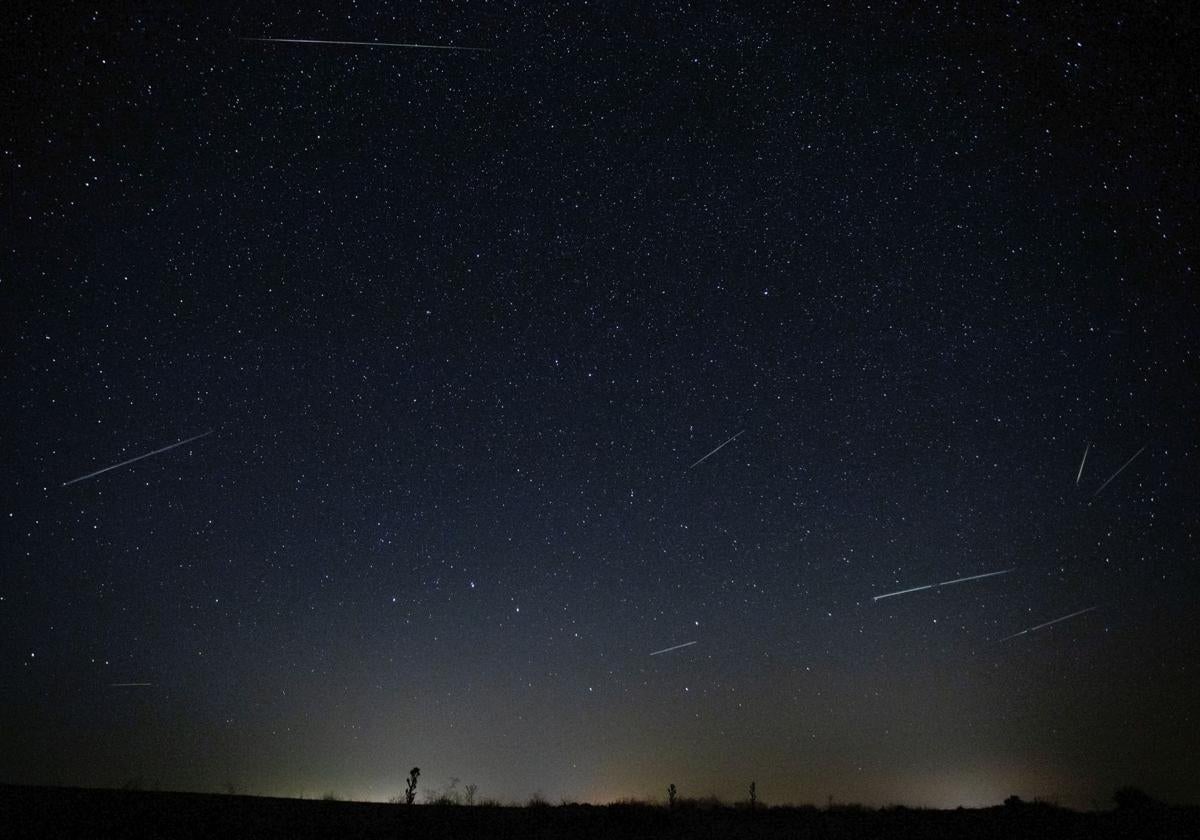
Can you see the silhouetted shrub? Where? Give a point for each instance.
(671, 792)
(330, 796)
(847, 808)
(448, 796)
(1130, 798)
(629, 802)
(410, 791)
(704, 803)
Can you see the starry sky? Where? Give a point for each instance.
(464, 325)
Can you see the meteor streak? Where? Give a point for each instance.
(974, 577)
(943, 583)
(718, 449)
(129, 685)
(904, 592)
(1081, 463)
(365, 44)
(138, 458)
(1047, 624)
(1118, 472)
(677, 647)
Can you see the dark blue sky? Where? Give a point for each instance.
(461, 321)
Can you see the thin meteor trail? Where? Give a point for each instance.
(718, 449)
(1081, 463)
(1047, 624)
(1118, 472)
(974, 577)
(904, 592)
(677, 647)
(138, 458)
(943, 583)
(129, 685)
(366, 44)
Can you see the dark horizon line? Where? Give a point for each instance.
(535, 800)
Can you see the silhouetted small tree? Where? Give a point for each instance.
(753, 795)
(671, 794)
(1014, 801)
(469, 794)
(410, 792)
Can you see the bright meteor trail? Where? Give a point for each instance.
(974, 577)
(365, 44)
(138, 458)
(1081, 463)
(1118, 472)
(904, 591)
(943, 583)
(677, 647)
(718, 449)
(1047, 624)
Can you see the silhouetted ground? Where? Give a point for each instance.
(76, 812)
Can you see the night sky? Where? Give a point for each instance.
(464, 325)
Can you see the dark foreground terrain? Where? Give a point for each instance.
(75, 812)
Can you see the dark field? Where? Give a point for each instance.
(75, 812)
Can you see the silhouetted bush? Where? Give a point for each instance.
(703, 803)
(629, 802)
(1130, 798)
(847, 808)
(448, 796)
(671, 792)
(410, 791)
